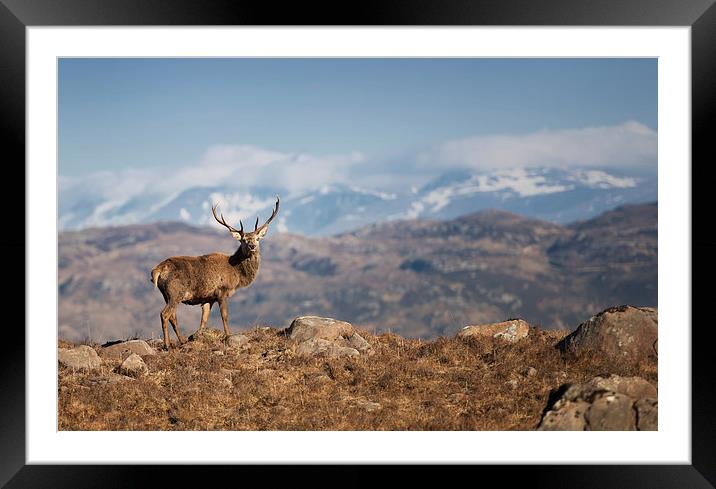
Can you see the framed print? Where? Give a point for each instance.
(373, 273)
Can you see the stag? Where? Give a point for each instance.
(209, 278)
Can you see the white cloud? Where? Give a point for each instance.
(625, 145)
(245, 166)
(237, 166)
(132, 194)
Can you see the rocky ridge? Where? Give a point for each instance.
(385, 381)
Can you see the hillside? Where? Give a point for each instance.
(418, 278)
(475, 383)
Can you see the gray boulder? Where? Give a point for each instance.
(126, 348)
(624, 333)
(511, 330)
(237, 341)
(635, 387)
(314, 327)
(321, 347)
(81, 357)
(613, 403)
(611, 412)
(329, 337)
(133, 366)
(647, 411)
(359, 343)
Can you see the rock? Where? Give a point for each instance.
(111, 378)
(647, 414)
(359, 343)
(458, 397)
(635, 387)
(207, 335)
(612, 403)
(133, 366)
(623, 333)
(369, 406)
(195, 346)
(81, 357)
(317, 377)
(611, 412)
(237, 341)
(569, 417)
(314, 327)
(155, 343)
(125, 348)
(320, 346)
(511, 330)
(528, 371)
(326, 336)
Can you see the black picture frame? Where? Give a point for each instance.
(16, 15)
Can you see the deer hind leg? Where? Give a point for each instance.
(225, 317)
(175, 324)
(165, 315)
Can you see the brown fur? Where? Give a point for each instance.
(208, 279)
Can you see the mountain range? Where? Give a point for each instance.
(417, 277)
(556, 195)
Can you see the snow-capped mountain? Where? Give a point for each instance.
(556, 195)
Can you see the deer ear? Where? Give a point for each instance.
(261, 232)
(237, 236)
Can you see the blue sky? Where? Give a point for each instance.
(130, 115)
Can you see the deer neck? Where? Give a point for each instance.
(246, 265)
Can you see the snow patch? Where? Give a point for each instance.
(601, 179)
(517, 182)
(374, 193)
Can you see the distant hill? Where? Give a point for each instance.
(419, 278)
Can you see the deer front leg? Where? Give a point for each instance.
(205, 310)
(225, 317)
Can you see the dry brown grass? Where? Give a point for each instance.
(445, 384)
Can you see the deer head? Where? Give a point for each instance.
(249, 240)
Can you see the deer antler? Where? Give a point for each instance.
(222, 221)
(273, 214)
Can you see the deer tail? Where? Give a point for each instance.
(155, 275)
